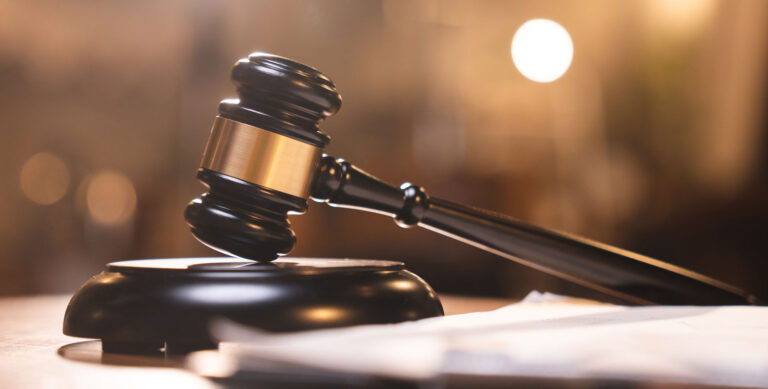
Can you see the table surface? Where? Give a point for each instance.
(32, 344)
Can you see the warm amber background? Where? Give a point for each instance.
(654, 140)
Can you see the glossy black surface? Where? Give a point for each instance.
(242, 219)
(282, 96)
(279, 95)
(628, 276)
(140, 306)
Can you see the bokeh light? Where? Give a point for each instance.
(542, 50)
(110, 197)
(44, 178)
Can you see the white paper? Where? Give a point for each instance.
(543, 335)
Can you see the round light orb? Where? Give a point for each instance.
(542, 50)
(44, 178)
(110, 197)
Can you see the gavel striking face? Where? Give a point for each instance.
(264, 160)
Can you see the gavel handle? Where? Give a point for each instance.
(634, 278)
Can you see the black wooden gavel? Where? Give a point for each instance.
(264, 159)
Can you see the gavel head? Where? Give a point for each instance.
(261, 156)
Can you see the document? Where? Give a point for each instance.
(542, 336)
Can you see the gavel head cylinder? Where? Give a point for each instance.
(261, 157)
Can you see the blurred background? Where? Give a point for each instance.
(654, 139)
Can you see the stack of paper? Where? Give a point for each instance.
(543, 336)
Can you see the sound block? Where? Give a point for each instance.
(143, 306)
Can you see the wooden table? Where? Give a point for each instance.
(31, 348)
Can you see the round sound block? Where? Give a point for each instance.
(142, 306)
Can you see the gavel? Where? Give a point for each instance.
(264, 160)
